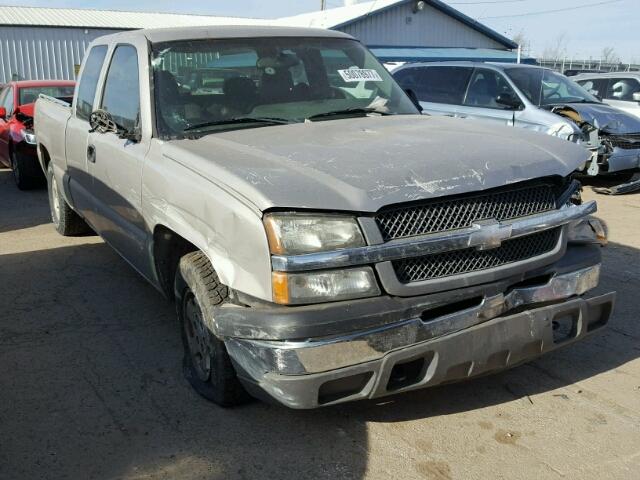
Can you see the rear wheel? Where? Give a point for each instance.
(207, 365)
(66, 221)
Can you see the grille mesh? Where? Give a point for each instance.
(626, 142)
(470, 260)
(461, 212)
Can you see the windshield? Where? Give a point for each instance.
(546, 87)
(204, 86)
(30, 94)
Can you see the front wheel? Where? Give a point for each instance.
(25, 173)
(66, 221)
(207, 365)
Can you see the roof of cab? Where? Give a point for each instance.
(156, 35)
(463, 63)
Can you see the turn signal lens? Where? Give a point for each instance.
(323, 286)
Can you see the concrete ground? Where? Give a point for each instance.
(91, 386)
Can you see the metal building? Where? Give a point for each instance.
(48, 43)
(406, 23)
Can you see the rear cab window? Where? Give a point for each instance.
(89, 81)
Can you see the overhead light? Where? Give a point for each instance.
(419, 6)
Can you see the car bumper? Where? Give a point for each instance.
(418, 351)
(622, 159)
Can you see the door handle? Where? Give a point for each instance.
(91, 154)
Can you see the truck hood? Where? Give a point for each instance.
(607, 118)
(363, 164)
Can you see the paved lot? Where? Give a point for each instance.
(91, 386)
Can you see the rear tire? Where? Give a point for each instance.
(67, 222)
(207, 365)
(26, 175)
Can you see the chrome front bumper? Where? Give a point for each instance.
(294, 372)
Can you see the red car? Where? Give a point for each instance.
(17, 140)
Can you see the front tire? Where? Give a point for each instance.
(24, 172)
(67, 222)
(207, 365)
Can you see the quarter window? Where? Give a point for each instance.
(89, 81)
(121, 97)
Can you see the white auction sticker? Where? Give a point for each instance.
(359, 75)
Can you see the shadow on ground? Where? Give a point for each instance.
(90, 368)
(21, 209)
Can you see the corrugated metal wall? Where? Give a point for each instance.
(400, 27)
(39, 53)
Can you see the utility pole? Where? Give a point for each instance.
(323, 4)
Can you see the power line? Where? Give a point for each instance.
(542, 12)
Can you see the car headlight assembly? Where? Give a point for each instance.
(28, 136)
(587, 231)
(564, 131)
(295, 234)
(324, 286)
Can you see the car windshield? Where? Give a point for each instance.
(207, 86)
(546, 87)
(30, 94)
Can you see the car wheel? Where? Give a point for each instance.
(66, 221)
(207, 365)
(21, 173)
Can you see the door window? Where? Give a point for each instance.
(437, 84)
(89, 81)
(484, 88)
(622, 89)
(596, 86)
(121, 97)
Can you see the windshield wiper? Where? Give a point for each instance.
(231, 121)
(349, 111)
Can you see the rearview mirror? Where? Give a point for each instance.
(414, 99)
(3, 113)
(636, 97)
(509, 100)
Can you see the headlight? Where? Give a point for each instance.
(29, 137)
(564, 131)
(324, 286)
(587, 230)
(292, 234)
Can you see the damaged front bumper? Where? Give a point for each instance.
(424, 349)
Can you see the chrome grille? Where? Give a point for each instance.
(461, 212)
(471, 260)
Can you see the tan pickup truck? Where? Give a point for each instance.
(323, 241)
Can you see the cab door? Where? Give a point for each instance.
(620, 91)
(80, 183)
(115, 163)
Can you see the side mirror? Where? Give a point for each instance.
(509, 100)
(101, 121)
(636, 97)
(414, 99)
(3, 113)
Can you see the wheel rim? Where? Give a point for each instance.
(14, 168)
(198, 337)
(55, 201)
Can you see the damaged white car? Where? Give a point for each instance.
(530, 97)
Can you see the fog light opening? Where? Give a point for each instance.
(406, 374)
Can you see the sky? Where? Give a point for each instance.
(582, 28)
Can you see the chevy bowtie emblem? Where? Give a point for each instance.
(490, 234)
